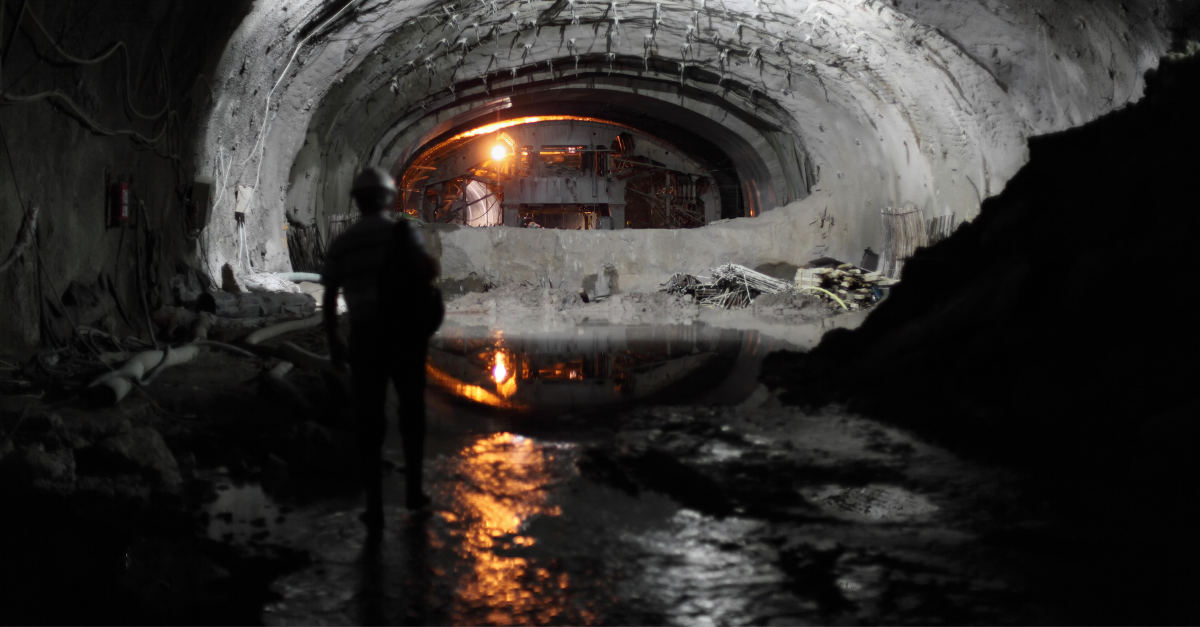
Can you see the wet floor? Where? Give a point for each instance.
(747, 513)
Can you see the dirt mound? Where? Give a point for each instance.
(519, 306)
(790, 308)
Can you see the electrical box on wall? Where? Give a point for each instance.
(244, 195)
(119, 202)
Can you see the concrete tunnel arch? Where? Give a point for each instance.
(648, 106)
(890, 104)
(771, 166)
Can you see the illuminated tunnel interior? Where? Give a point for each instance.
(747, 311)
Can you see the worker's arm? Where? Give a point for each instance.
(428, 267)
(337, 350)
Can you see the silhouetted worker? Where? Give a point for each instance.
(385, 273)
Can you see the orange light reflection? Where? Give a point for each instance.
(503, 485)
(506, 383)
(466, 390)
(499, 371)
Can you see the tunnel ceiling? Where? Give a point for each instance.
(924, 102)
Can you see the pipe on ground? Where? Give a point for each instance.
(262, 335)
(274, 384)
(305, 359)
(113, 386)
(298, 277)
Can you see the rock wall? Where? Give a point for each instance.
(57, 118)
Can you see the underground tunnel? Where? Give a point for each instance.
(749, 312)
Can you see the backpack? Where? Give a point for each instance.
(406, 291)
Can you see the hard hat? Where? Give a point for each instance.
(373, 178)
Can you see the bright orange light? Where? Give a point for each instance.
(531, 119)
(499, 152)
(500, 370)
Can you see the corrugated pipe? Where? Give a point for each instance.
(296, 277)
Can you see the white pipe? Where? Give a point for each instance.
(281, 328)
(305, 359)
(297, 277)
(121, 381)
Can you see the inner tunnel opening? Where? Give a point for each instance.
(566, 171)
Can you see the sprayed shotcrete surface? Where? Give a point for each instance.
(798, 320)
(643, 259)
(925, 103)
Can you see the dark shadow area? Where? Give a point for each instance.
(396, 590)
(63, 564)
(1052, 334)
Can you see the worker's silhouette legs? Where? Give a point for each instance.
(369, 386)
(409, 376)
(373, 366)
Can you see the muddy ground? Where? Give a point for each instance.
(216, 496)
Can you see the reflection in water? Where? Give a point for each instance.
(691, 573)
(500, 370)
(506, 380)
(473, 560)
(587, 367)
(500, 484)
(478, 394)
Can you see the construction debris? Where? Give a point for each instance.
(854, 287)
(844, 286)
(732, 286)
(171, 320)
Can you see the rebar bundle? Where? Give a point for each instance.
(733, 275)
(681, 283)
(306, 249)
(732, 286)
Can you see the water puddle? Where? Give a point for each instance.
(598, 366)
(543, 513)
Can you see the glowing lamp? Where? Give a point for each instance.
(499, 152)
